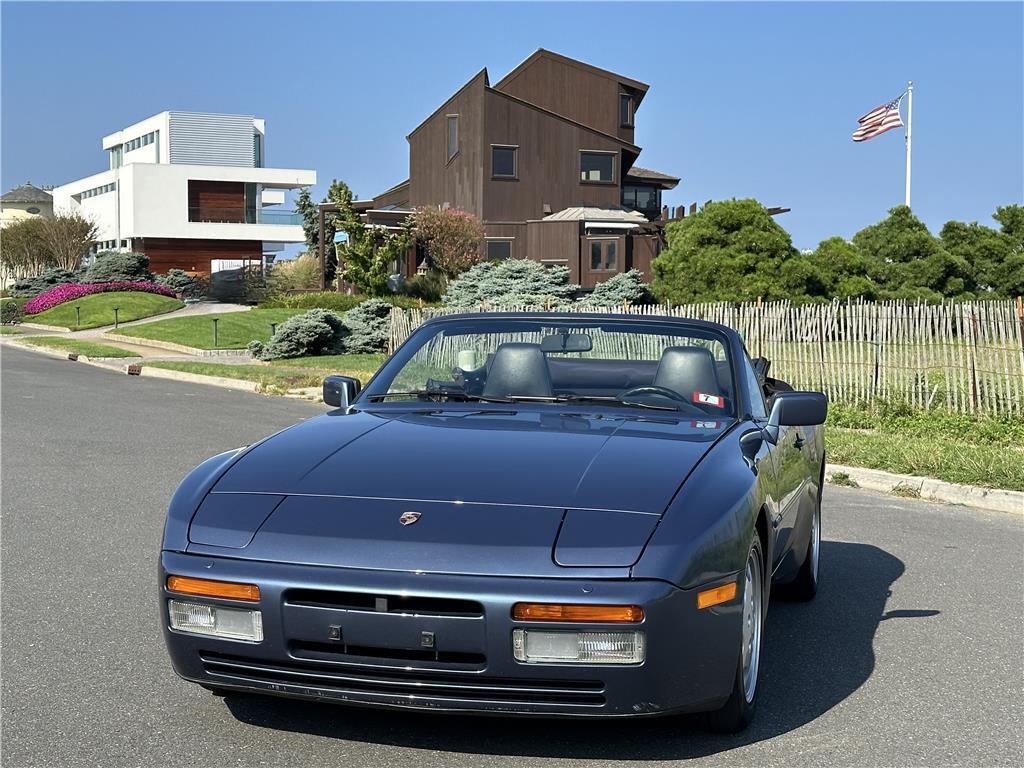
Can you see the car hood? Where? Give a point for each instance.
(489, 486)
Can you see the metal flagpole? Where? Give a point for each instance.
(910, 123)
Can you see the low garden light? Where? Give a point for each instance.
(115, 317)
(273, 329)
(78, 315)
(214, 321)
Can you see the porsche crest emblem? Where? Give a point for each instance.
(408, 518)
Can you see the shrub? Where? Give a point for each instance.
(369, 327)
(294, 275)
(513, 282)
(429, 287)
(69, 292)
(126, 266)
(336, 302)
(29, 287)
(182, 283)
(453, 238)
(10, 312)
(625, 286)
(317, 332)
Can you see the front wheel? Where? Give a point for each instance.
(738, 710)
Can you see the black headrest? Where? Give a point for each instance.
(518, 369)
(687, 370)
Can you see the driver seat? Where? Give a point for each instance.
(518, 369)
(687, 370)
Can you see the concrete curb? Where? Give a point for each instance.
(198, 378)
(927, 488)
(99, 362)
(138, 341)
(41, 327)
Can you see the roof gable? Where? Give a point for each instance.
(558, 58)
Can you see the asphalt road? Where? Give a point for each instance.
(912, 653)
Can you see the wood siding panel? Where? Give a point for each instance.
(645, 249)
(555, 242)
(585, 96)
(548, 163)
(194, 255)
(216, 201)
(516, 231)
(433, 179)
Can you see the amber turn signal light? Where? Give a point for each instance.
(612, 614)
(716, 595)
(229, 590)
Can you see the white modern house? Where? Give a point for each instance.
(191, 191)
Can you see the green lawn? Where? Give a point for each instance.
(98, 309)
(88, 348)
(234, 329)
(955, 448)
(283, 375)
(9, 330)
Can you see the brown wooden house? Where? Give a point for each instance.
(545, 158)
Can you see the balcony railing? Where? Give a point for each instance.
(243, 216)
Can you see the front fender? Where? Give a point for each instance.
(705, 533)
(190, 494)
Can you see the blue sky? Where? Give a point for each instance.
(746, 99)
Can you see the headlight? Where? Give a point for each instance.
(214, 620)
(535, 646)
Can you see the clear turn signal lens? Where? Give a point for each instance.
(214, 620)
(540, 647)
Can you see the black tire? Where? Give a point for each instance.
(738, 711)
(805, 586)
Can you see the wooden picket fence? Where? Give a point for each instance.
(966, 357)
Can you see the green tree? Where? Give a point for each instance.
(366, 257)
(843, 270)
(731, 250)
(908, 262)
(984, 250)
(339, 194)
(1009, 278)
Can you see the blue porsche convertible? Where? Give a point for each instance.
(544, 514)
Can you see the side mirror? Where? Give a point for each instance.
(340, 391)
(796, 409)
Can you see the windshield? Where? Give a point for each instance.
(657, 365)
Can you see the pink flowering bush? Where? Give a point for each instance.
(71, 291)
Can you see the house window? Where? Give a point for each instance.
(257, 150)
(504, 162)
(453, 136)
(499, 249)
(597, 167)
(604, 255)
(34, 211)
(626, 110)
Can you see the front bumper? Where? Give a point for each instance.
(690, 663)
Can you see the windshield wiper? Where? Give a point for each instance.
(588, 399)
(428, 394)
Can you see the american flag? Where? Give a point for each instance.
(879, 120)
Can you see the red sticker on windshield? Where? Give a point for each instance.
(705, 399)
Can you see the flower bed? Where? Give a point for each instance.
(71, 291)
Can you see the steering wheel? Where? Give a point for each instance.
(654, 389)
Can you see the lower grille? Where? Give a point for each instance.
(415, 686)
(331, 653)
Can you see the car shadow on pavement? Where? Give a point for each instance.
(815, 655)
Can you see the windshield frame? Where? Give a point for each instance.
(379, 384)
